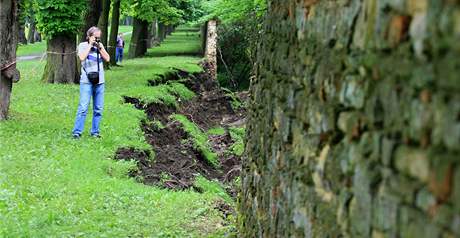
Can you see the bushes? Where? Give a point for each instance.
(239, 31)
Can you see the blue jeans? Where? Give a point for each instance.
(86, 91)
(119, 54)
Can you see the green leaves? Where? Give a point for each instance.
(149, 10)
(60, 16)
(233, 10)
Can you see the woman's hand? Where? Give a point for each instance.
(104, 53)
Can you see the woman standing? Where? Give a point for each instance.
(92, 81)
(120, 47)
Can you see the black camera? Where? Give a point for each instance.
(97, 42)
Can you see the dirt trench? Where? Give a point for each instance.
(177, 162)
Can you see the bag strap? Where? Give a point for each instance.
(97, 58)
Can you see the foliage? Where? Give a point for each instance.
(57, 17)
(192, 9)
(149, 10)
(229, 11)
(239, 31)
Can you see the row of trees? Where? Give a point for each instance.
(152, 19)
(27, 18)
(63, 23)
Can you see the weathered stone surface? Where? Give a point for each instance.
(413, 162)
(354, 123)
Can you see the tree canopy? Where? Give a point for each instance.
(60, 16)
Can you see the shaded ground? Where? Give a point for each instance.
(177, 162)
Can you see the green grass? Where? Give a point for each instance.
(54, 186)
(237, 134)
(216, 131)
(178, 46)
(39, 48)
(200, 138)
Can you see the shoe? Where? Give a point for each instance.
(76, 136)
(96, 136)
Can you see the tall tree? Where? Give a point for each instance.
(138, 45)
(8, 42)
(30, 10)
(60, 20)
(91, 17)
(161, 31)
(104, 24)
(114, 30)
(104, 21)
(152, 34)
(147, 11)
(32, 28)
(22, 21)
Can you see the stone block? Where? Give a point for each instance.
(414, 223)
(388, 146)
(385, 213)
(353, 92)
(361, 204)
(349, 123)
(413, 162)
(425, 200)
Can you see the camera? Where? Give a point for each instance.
(97, 42)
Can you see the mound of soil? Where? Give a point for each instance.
(177, 162)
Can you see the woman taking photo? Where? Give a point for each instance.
(91, 53)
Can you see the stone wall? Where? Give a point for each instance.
(354, 127)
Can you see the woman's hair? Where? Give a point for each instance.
(91, 31)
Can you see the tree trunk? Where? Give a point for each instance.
(211, 48)
(22, 34)
(170, 29)
(104, 24)
(61, 61)
(152, 35)
(8, 43)
(114, 31)
(104, 21)
(21, 22)
(91, 17)
(138, 45)
(161, 31)
(37, 36)
(32, 30)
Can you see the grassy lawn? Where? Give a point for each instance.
(40, 47)
(54, 186)
(175, 45)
